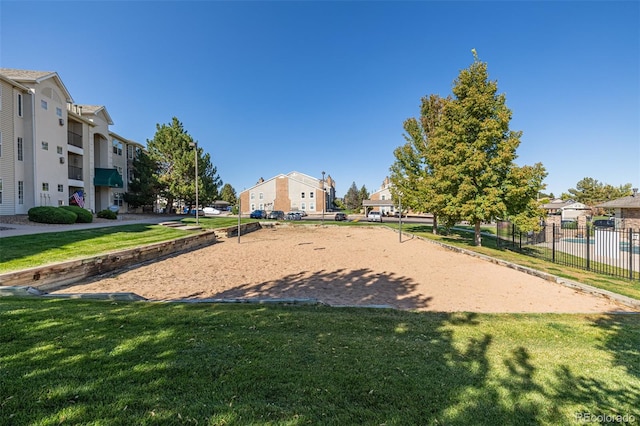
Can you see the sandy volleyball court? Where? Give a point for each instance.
(346, 266)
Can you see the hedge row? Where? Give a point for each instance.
(62, 214)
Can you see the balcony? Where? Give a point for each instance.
(75, 173)
(74, 138)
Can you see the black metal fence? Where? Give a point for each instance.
(606, 251)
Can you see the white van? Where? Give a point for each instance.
(374, 216)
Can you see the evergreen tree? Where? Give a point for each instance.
(171, 149)
(228, 194)
(352, 198)
(144, 187)
(363, 194)
(591, 192)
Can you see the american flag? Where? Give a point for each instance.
(77, 197)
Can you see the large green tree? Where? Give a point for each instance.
(472, 153)
(173, 151)
(411, 173)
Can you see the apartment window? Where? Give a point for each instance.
(20, 149)
(253, 207)
(261, 206)
(45, 145)
(59, 150)
(45, 186)
(312, 206)
(19, 104)
(303, 206)
(311, 196)
(130, 152)
(59, 111)
(253, 197)
(20, 192)
(302, 195)
(43, 104)
(60, 203)
(60, 188)
(117, 147)
(0, 191)
(118, 199)
(261, 196)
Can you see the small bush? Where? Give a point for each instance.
(84, 215)
(49, 214)
(107, 214)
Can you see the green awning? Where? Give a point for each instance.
(108, 177)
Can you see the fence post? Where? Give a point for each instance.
(588, 248)
(630, 236)
(553, 242)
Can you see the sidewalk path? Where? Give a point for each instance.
(14, 229)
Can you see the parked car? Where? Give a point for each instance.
(210, 211)
(293, 216)
(374, 216)
(276, 214)
(258, 214)
(340, 217)
(604, 223)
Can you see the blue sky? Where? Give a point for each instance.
(272, 87)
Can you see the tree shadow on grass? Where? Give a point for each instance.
(85, 362)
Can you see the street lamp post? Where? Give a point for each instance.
(324, 198)
(400, 217)
(195, 152)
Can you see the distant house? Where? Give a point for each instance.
(627, 210)
(381, 200)
(294, 191)
(566, 209)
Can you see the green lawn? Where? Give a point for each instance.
(105, 363)
(26, 251)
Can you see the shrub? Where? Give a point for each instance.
(84, 215)
(49, 214)
(107, 214)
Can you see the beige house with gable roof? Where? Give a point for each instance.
(51, 148)
(294, 191)
(627, 210)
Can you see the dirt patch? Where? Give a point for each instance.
(347, 266)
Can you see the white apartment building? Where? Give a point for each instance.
(52, 148)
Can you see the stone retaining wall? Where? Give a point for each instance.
(49, 277)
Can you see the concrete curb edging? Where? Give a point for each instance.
(584, 288)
